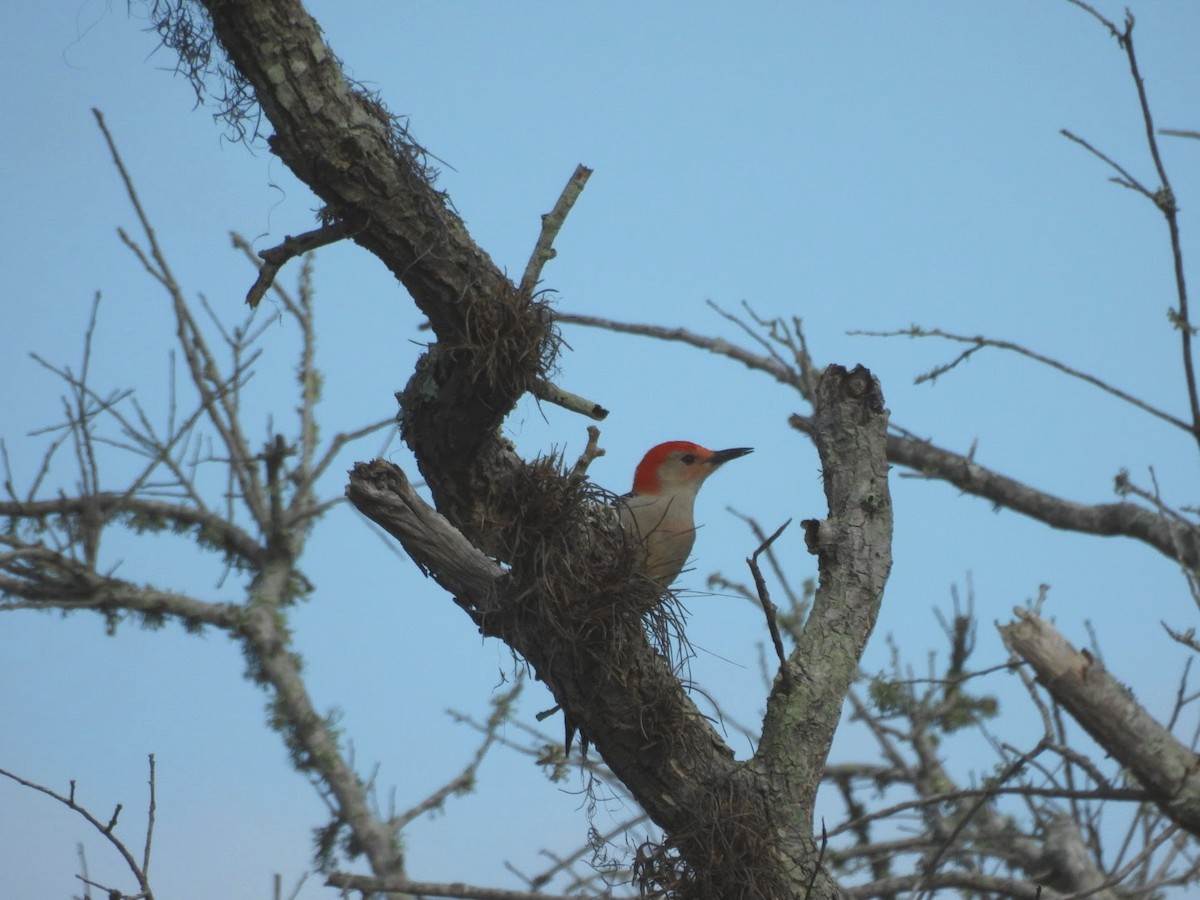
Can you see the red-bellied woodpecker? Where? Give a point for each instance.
(658, 512)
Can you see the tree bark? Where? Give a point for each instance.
(853, 547)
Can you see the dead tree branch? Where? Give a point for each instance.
(1109, 713)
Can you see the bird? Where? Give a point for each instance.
(658, 512)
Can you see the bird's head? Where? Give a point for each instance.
(679, 465)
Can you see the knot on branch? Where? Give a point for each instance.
(819, 536)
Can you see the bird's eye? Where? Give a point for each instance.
(688, 458)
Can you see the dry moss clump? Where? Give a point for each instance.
(504, 341)
(568, 552)
(576, 567)
(729, 855)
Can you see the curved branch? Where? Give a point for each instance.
(154, 514)
(1174, 539)
(140, 871)
(45, 579)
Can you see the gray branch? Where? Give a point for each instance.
(1108, 712)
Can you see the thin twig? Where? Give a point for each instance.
(552, 222)
(764, 597)
(221, 408)
(275, 258)
(151, 809)
(812, 879)
(139, 873)
(796, 603)
(964, 819)
(772, 367)
(590, 453)
(1125, 795)
(1126, 180)
(978, 342)
(1163, 198)
(502, 708)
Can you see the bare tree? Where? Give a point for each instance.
(527, 551)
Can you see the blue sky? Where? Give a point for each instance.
(860, 166)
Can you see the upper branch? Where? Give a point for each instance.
(1163, 198)
(853, 546)
(771, 364)
(1174, 539)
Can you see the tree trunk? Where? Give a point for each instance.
(565, 596)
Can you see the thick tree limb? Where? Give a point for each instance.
(345, 146)
(1110, 714)
(853, 546)
(606, 674)
(738, 828)
(381, 492)
(617, 688)
(492, 342)
(342, 145)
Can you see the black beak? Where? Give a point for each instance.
(720, 457)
